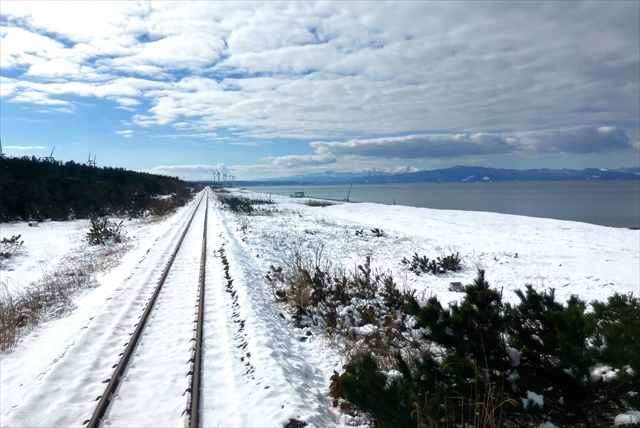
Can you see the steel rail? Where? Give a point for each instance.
(194, 416)
(105, 398)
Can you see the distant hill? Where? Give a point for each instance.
(454, 174)
(32, 188)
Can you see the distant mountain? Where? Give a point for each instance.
(456, 174)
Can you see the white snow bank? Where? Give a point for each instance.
(627, 419)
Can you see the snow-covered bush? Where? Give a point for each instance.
(245, 205)
(539, 360)
(103, 231)
(363, 308)
(9, 246)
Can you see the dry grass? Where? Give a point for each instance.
(484, 408)
(26, 307)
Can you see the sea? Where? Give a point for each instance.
(605, 203)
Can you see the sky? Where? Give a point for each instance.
(268, 89)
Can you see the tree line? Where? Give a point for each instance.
(38, 189)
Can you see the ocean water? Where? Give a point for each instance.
(606, 203)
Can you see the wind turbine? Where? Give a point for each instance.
(92, 162)
(225, 176)
(1, 152)
(213, 174)
(50, 157)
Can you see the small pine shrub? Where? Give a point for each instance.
(420, 265)
(367, 388)
(417, 264)
(244, 205)
(486, 363)
(318, 203)
(475, 327)
(103, 231)
(450, 263)
(9, 246)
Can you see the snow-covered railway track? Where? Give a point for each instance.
(161, 361)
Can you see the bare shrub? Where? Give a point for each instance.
(359, 309)
(26, 308)
(243, 223)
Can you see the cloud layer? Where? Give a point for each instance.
(476, 78)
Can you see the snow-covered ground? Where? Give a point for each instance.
(55, 372)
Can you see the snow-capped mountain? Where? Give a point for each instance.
(457, 174)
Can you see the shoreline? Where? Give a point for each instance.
(605, 204)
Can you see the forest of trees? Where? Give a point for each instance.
(38, 189)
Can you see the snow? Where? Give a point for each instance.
(627, 419)
(533, 399)
(47, 244)
(258, 367)
(604, 373)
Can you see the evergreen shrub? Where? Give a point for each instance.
(494, 364)
(9, 246)
(103, 231)
(421, 264)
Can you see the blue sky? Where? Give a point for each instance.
(272, 89)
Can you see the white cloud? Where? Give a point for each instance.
(65, 110)
(419, 146)
(22, 47)
(127, 133)
(297, 161)
(39, 98)
(204, 135)
(24, 147)
(127, 102)
(351, 71)
(579, 140)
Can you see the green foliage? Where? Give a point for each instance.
(477, 362)
(9, 246)
(617, 341)
(617, 337)
(472, 328)
(556, 359)
(450, 263)
(319, 203)
(420, 265)
(104, 231)
(367, 388)
(425, 393)
(487, 359)
(38, 189)
(245, 205)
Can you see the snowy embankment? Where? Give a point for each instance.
(592, 262)
(48, 368)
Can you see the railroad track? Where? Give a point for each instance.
(134, 392)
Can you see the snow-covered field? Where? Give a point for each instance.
(55, 372)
